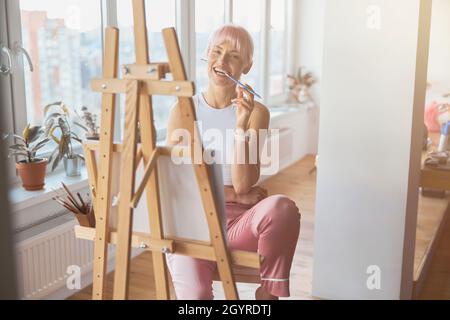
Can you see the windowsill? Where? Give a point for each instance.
(21, 199)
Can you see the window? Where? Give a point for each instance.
(277, 51)
(64, 40)
(160, 15)
(66, 50)
(209, 15)
(248, 14)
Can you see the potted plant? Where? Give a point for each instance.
(299, 87)
(30, 168)
(57, 127)
(90, 124)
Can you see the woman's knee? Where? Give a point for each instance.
(283, 209)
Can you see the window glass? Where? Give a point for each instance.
(65, 47)
(159, 15)
(209, 15)
(277, 47)
(248, 14)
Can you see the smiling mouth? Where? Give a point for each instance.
(220, 72)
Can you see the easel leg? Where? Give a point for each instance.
(125, 222)
(148, 139)
(103, 192)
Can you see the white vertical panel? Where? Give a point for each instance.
(52, 260)
(47, 256)
(41, 269)
(22, 273)
(371, 121)
(35, 274)
(27, 276)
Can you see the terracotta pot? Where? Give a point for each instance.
(32, 174)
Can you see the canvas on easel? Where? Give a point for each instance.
(181, 203)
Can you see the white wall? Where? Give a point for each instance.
(439, 64)
(310, 23)
(373, 93)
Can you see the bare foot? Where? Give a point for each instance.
(261, 294)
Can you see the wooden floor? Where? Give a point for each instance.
(299, 185)
(437, 282)
(431, 211)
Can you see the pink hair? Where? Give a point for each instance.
(237, 36)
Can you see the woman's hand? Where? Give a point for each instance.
(255, 195)
(245, 102)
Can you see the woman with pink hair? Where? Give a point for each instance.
(256, 222)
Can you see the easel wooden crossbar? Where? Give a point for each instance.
(142, 80)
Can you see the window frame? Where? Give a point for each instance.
(228, 11)
(18, 100)
(185, 26)
(276, 96)
(7, 110)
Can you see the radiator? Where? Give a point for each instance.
(42, 261)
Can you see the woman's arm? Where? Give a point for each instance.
(174, 123)
(244, 173)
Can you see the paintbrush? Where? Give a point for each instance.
(61, 202)
(71, 197)
(65, 205)
(240, 84)
(58, 195)
(81, 199)
(62, 197)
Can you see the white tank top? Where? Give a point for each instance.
(211, 121)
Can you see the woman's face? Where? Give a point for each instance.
(225, 57)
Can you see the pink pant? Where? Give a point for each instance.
(271, 228)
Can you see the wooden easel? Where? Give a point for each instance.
(142, 80)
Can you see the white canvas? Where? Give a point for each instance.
(183, 215)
